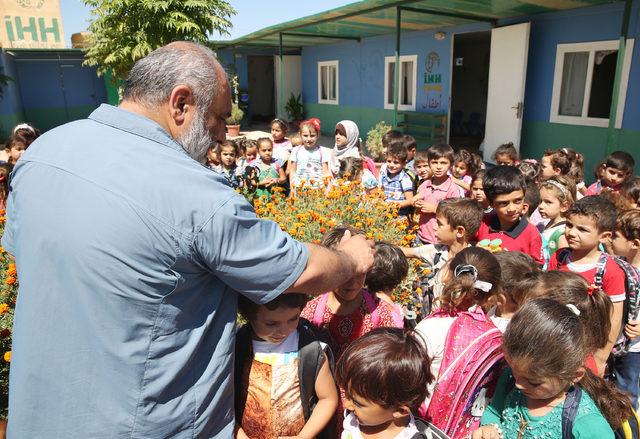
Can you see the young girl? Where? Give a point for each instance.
(389, 269)
(557, 194)
(309, 163)
(616, 169)
(283, 380)
(630, 191)
(270, 173)
(545, 345)
(463, 169)
(506, 155)
(564, 161)
(477, 190)
(385, 375)
(228, 168)
(281, 145)
(213, 158)
(5, 170)
(460, 337)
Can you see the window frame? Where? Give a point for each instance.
(592, 47)
(336, 64)
(391, 60)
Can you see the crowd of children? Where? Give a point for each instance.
(530, 325)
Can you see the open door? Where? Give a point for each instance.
(507, 77)
(291, 81)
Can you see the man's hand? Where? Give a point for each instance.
(360, 249)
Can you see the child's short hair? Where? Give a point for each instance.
(249, 309)
(228, 144)
(507, 149)
(389, 268)
(631, 190)
(628, 224)
(281, 123)
(332, 238)
(295, 137)
(532, 197)
(601, 210)
(563, 187)
(530, 169)
(387, 366)
(249, 143)
(479, 175)
(502, 180)
(462, 212)
(439, 151)
(391, 136)
(398, 151)
(620, 160)
(468, 159)
(262, 140)
(514, 267)
(420, 157)
(350, 168)
(409, 142)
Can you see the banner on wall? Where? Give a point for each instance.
(432, 82)
(31, 24)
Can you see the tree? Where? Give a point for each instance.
(123, 31)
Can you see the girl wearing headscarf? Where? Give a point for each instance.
(348, 145)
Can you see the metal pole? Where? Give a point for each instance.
(613, 134)
(396, 81)
(280, 106)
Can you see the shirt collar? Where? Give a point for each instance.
(514, 232)
(135, 124)
(444, 187)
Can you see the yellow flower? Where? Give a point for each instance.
(10, 280)
(4, 308)
(7, 356)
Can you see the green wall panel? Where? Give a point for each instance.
(7, 122)
(364, 117)
(47, 118)
(589, 141)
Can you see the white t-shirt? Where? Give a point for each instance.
(276, 354)
(309, 163)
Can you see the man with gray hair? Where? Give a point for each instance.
(130, 254)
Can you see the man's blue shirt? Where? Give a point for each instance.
(129, 256)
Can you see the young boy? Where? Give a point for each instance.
(626, 243)
(505, 187)
(275, 393)
(394, 180)
(411, 145)
(457, 222)
(421, 165)
(615, 171)
(435, 189)
(590, 222)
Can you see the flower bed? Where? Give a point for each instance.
(8, 294)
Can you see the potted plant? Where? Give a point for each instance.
(374, 140)
(233, 121)
(295, 110)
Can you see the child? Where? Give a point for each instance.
(411, 145)
(308, 163)
(5, 171)
(626, 243)
(531, 171)
(281, 145)
(616, 170)
(395, 182)
(269, 171)
(590, 222)
(390, 137)
(421, 166)
(213, 158)
(352, 169)
(275, 393)
(385, 374)
(463, 169)
(228, 168)
(347, 144)
(557, 194)
(506, 155)
(15, 147)
(390, 267)
(630, 191)
(545, 345)
(504, 187)
(477, 190)
(457, 221)
(439, 187)
(350, 311)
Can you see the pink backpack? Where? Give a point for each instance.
(468, 374)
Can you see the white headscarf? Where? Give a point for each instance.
(351, 149)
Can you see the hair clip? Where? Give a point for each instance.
(531, 161)
(563, 190)
(591, 289)
(473, 271)
(24, 126)
(574, 309)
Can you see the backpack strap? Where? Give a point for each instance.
(243, 353)
(427, 430)
(563, 254)
(601, 267)
(570, 410)
(320, 308)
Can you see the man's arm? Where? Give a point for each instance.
(327, 269)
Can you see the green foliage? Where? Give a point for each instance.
(294, 107)
(4, 81)
(123, 31)
(8, 295)
(236, 115)
(374, 139)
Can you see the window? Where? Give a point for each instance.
(328, 82)
(583, 83)
(407, 89)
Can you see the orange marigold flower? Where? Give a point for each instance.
(7, 356)
(323, 229)
(11, 269)
(4, 308)
(10, 280)
(1, 250)
(331, 223)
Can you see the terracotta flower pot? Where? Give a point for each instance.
(233, 130)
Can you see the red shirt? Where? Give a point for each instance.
(612, 281)
(522, 237)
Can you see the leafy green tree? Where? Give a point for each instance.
(123, 31)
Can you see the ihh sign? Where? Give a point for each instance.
(31, 24)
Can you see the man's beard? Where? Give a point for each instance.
(196, 140)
